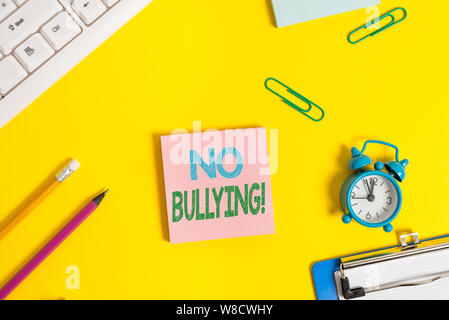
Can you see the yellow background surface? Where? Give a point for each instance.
(181, 61)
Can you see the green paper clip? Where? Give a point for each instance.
(389, 14)
(310, 104)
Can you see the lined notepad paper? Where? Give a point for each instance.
(288, 12)
(409, 269)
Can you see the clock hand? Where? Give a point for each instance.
(366, 186)
(372, 187)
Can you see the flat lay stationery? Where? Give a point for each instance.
(294, 180)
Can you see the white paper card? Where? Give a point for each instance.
(288, 12)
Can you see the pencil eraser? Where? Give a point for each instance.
(71, 168)
(74, 165)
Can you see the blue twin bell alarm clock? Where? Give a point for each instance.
(373, 198)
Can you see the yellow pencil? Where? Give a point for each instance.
(47, 189)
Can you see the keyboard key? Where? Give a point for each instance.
(89, 10)
(11, 73)
(25, 21)
(110, 3)
(6, 7)
(33, 52)
(60, 30)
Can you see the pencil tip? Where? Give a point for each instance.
(97, 200)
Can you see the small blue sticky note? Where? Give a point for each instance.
(288, 12)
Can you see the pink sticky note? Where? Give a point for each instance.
(217, 184)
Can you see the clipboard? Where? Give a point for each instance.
(419, 268)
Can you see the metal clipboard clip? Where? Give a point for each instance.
(305, 111)
(406, 249)
(389, 15)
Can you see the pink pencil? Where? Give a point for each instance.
(51, 246)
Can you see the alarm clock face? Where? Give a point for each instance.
(374, 198)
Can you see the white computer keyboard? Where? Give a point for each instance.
(41, 40)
